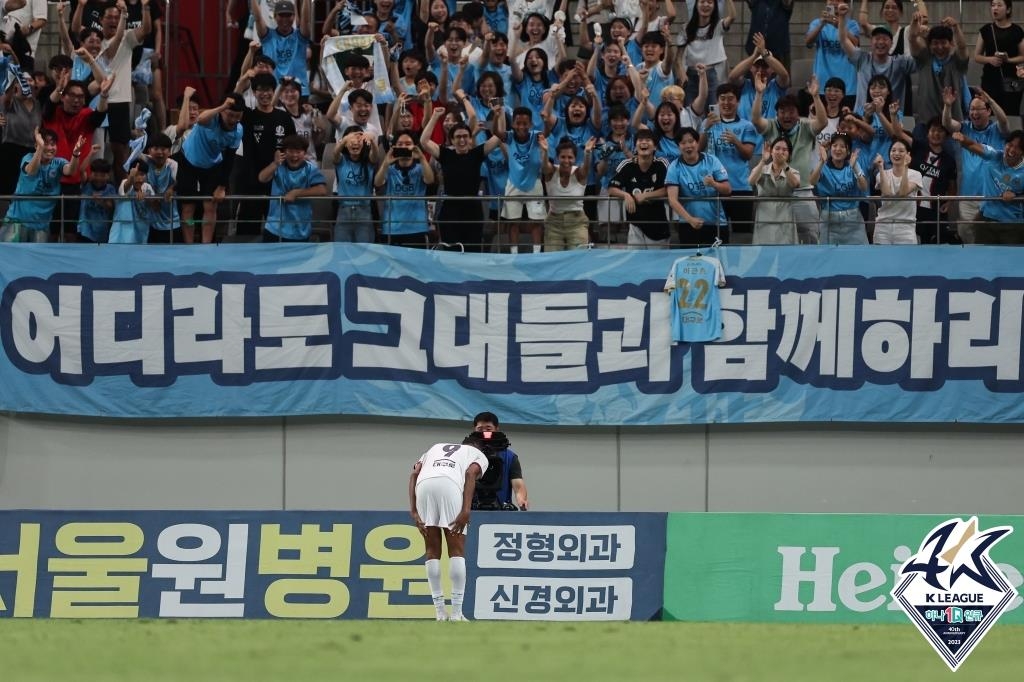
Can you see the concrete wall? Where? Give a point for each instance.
(349, 463)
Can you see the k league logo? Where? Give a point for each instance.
(952, 590)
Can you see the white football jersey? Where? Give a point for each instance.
(450, 460)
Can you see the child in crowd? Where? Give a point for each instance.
(131, 214)
(293, 178)
(97, 205)
(165, 227)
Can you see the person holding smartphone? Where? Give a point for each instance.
(404, 176)
(824, 34)
(999, 49)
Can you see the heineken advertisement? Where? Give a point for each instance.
(805, 568)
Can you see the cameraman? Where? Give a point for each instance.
(495, 491)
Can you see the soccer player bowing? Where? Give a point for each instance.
(440, 498)
(695, 181)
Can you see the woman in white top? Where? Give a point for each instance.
(536, 30)
(703, 42)
(896, 221)
(566, 226)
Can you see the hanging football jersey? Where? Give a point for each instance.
(693, 283)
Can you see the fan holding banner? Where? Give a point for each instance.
(339, 49)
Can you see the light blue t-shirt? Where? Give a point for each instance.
(163, 215)
(494, 170)
(289, 54)
(93, 217)
(601, 80)
(497, 18)
(973, 177)
(408, 216)
(132, 217)
(292, 220)
(504, 71)
(655, 82)
(612, 153)
(204, 147)
(769, 99)
(468, 74)
(693, 282)
(839, 182)
(881, 142)
(579, 135)
(529, 93)
(1002, 178)
(698, 199)
(35, 213)
(830, 60)
(668, 148)
(606, 127)
(635, 51)
(729, 154)
(355, 179)
(524, 160)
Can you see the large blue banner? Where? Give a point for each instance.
(161, 564)
(911, 334)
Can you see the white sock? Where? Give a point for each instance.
(513, 249)
(457, 570)
(537, 248)
(434, 579)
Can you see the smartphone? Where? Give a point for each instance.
(402, 153)
(713, 109)
(495, 101)
(830, 10)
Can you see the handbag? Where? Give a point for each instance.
(1013, 84)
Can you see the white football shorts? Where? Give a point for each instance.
(438, 501)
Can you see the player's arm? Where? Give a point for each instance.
(412, 496)
(462, 520)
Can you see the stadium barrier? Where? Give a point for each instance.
(608, 227)
(805, 568)
(173, 564)
(799, 568)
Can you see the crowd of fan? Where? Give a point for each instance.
(648, 132)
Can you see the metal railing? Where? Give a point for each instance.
(604, 218)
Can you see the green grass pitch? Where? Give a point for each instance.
(225, 651)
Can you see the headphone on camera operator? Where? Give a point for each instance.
(494, 488)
